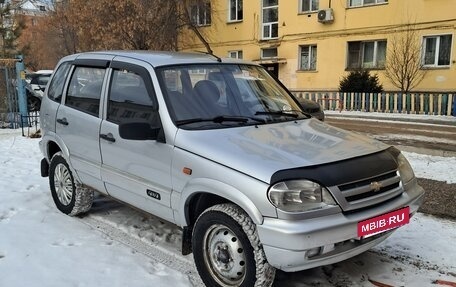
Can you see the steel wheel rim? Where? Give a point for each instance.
(224, 255)
(63, 184)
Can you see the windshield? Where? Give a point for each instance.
(225, 95)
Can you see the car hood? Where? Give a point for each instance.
(260, 151)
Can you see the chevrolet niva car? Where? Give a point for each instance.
(220, 148)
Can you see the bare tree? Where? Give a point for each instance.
(403, 66)
(190, 23)
(85, 25)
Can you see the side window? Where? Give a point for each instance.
(84, 91)
(56, 87)
(129, 99)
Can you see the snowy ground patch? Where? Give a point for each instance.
(386, 116)
(39, 246)
(433, 167)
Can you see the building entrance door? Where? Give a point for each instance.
(273, 69)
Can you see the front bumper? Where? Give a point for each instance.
(293, 245)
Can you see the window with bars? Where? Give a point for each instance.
(366, 55)
(437, 50)
(309, 6)
(269, 53)
(270, 19)
(359, 3)
(308, 58)
(200, 13)
(235, 10)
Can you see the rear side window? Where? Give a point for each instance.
(55, 90)
(84, 91)
(129, 99)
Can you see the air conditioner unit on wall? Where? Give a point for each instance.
(326, 16)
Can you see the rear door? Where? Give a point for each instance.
(54, 97)
(135, 171)
(78, 120)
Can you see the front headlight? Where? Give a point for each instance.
(405, 170)
(300, 196)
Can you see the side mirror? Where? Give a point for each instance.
(138, 131)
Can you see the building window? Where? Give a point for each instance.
(309, 6)
(270, 19)
(437, 51)
(201, 13)
(358, 3)
(308, 58)
(235, 54)
(366, 55)
(235, 10)
(268, 53)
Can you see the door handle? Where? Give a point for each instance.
(108, 137)
(63, 121)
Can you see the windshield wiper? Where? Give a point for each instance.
(277, 113)
(290, 113)
(220, 119)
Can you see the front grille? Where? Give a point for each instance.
(372, 193)
(367, 192)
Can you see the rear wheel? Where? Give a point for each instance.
(227, 250)
(68, 197)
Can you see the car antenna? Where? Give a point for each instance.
(212, 54)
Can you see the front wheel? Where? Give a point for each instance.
(227, 250)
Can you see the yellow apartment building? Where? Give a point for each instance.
(311, 44)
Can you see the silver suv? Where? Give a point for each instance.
(223, 150)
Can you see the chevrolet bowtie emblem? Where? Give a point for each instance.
(376, 186)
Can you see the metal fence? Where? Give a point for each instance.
(30, 124)
(443, 104)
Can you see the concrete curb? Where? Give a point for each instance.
(427, 151)
(449, 121)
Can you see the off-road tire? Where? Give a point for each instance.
(258, 272)
(81, 198)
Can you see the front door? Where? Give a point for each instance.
(135, 171)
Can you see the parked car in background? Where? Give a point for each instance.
(35, 85)
(311, 107)
(221, 149)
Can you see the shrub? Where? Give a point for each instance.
(360, 81)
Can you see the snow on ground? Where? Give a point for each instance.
(433, 167)
(39, 246)
(386, 116)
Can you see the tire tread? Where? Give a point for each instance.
(265, 273)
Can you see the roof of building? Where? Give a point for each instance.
(33, 7)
